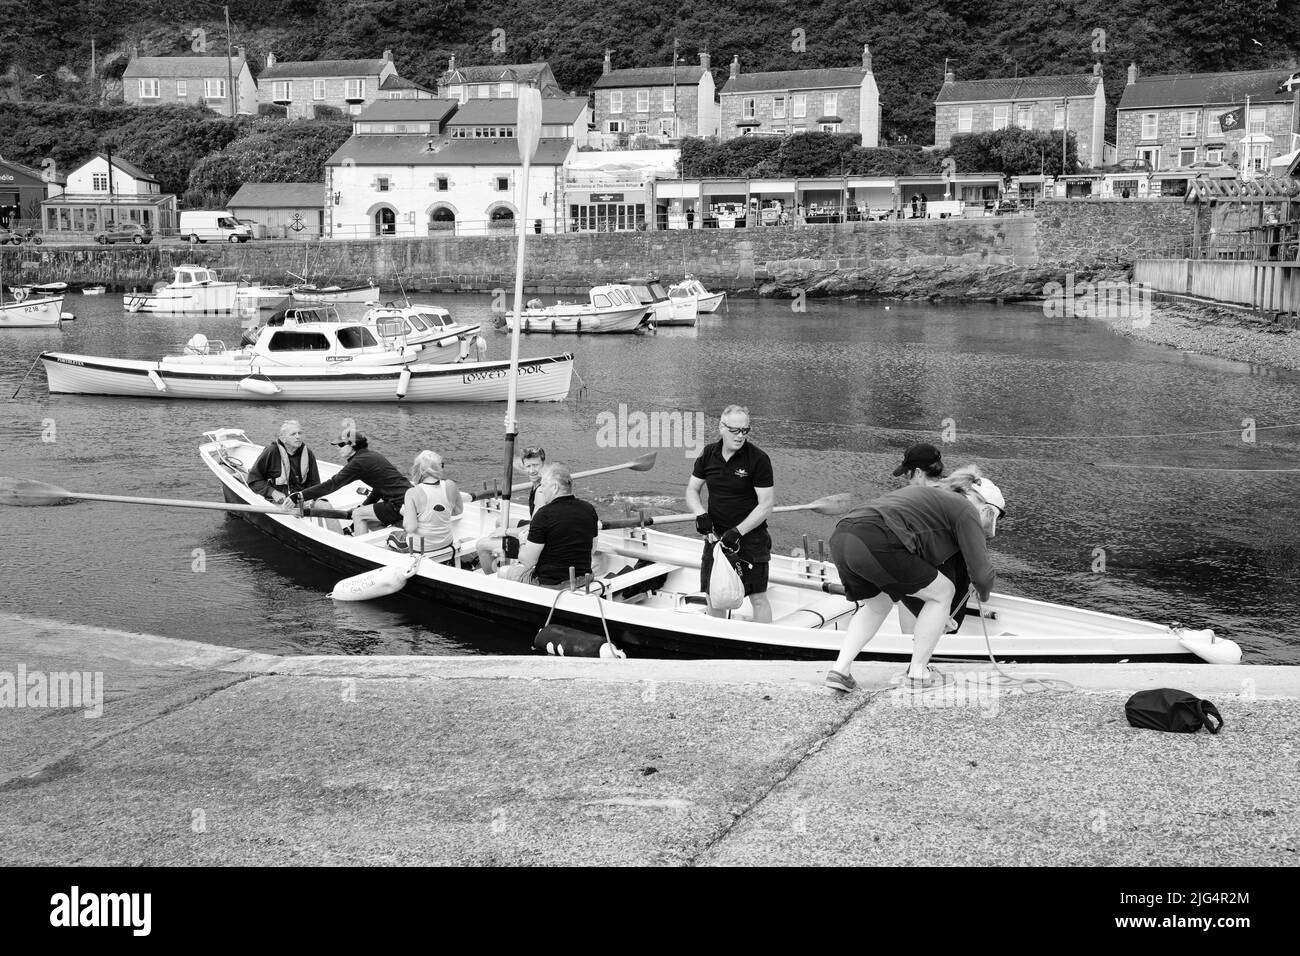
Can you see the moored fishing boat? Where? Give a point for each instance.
(307, 294)
(692, 288)
(663, 309)
(428, 325)
(648, 592)
(255, 297)
(308, 361)
(610, 308)
(25, 313)
(94, 290)
(193, 290)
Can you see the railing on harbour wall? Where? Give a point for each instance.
(1261, 285)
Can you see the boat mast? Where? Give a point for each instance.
(528, 132)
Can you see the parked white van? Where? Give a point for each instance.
(200, 225)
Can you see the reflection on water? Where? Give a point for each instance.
(1111, 452)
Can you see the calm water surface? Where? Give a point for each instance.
(1086, 432)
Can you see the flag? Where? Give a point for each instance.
(1233, 120)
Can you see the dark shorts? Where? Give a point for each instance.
(871, 561)
(388, 513)
(954, 569)
(753, 574)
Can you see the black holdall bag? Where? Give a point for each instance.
(1171, 710)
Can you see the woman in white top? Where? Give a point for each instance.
(431, 503)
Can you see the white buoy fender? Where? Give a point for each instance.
(376, 583)
(158, 383)
(403, 382)
(1215, 650)
(259, 384)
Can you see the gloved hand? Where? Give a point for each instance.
(731, 539)
(704, 524)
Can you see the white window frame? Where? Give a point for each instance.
(1182, 158)
(615, 126)
(496, 184)
(1001, 115)
(383, 184)
(643, 101)
(99, 182)
(1150, 126)
(442, 183)
(282, 91)
(506, 91)
(830, 104)
(182, 89)
(214, 83)
(798, 105)
(1151, 154)
(318, 89)
(1214, 154)
(670, 102)
(148, 88)
(355, 89)
(1025, 117)
(830, 127)
(965, 118)
(482, 91)
(748, 107)
(1257, 157)
(616, 101)
(1188, 124)
(799, 129)
(1257, 121)
(778, 106)
(666, 124)
(643, 127)
(1058, 117)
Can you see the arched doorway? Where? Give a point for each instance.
(385, 220)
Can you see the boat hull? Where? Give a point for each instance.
(559, 320)
(322, 297)
(214, 298)
(539, 380)
(31, 313)
(660, 621)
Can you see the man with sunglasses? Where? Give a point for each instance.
(388, 486)
(738, 475)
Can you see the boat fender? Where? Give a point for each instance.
(403, 382)
(1203, 643)
(464, 351)
(158, 383)
(376, 583)
(259, 384)
(197, 345)
(67, 316)
(579, 325)
(560, 640)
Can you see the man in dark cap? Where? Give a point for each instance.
(388, 486)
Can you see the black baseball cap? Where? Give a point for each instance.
(918, 456)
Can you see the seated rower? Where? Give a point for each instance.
(562, 535)
(492, 548)
(430, 505)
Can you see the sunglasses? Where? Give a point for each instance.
(340, 444)
(737, 431)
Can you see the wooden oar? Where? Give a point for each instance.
(830, 505)
(644, 463)
(24, 492)
(637, 549)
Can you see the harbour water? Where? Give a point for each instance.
(1135, 483)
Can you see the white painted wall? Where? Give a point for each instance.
(81, 180)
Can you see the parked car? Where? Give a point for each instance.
(125, 232)
(1006, 207)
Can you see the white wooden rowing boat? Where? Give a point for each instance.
(333, 294)
(652, 602)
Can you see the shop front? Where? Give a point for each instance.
(21, 192)
(677, 205)
(623, 210)
(725, 203)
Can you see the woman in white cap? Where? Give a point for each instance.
(431, 503)
(893, 547)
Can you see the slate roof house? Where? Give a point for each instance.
(663, 102)
(190, 80)
(302, 86)
(496, 81)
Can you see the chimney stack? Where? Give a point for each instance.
(239, 53)
(451, 64)
(608, 65)
(866, 57)
(1096, 68)
(388, 55)
(704, 59)
(735, 66)
(948, 75)
(1132, 73)
(270, 60)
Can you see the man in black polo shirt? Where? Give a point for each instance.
(388, 486)
(738, 475)
(560, 536)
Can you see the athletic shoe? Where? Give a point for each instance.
(841, 682)
(933, 678)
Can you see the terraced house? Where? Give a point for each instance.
(1076, 103)
(1246, 119)
(496, 81)
(835, 100)
(664, 103)
(303, 86)
(191, 81)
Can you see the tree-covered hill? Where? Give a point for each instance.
(45, 48)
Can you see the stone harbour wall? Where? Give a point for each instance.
(991, 257)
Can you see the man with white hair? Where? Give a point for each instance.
(285, 466)
(562, 535)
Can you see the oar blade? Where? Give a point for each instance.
(644, 463)
(24, 492)
(832, 504)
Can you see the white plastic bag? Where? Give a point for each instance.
(726, 590)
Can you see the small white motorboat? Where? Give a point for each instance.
(94, 290)
(255, 297)
(430, 326)
(31, 313)
(308, 361)
(193, 290)
(693, 288)
(333, 294)
(664, 309)
(610, 308)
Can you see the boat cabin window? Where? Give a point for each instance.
(658, 291)
(435, 320)
(600, 301)
(643, 293)
(356, 337)
(298, 342)
(184, 276)
(389, 328)
(417, 323)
